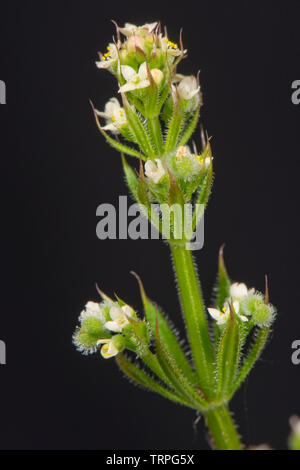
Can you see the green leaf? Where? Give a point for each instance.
(168, 337)
(228, 356)
(130, 176)
(223, 282)
(137, 129)
(174, 128)
(139, 376)
(179, 381)
(203, 194)
(253, 355)
(190, 127)
(155, 134)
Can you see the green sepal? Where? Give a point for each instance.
(139, 376)
(168, 337)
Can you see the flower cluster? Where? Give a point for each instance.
(247, 304)
(111, 326)
(159, 112)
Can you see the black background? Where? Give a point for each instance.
(56, 170)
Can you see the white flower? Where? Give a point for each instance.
(170, 47)
(109, 58)
(154, 171)
(109, 348)
(238, 290)
(92, 309)
(188, 88)
(137, 80)
(119, 318)
(115, 116)
(222, 316)
(130, 29)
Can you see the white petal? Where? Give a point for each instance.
(113, 326)
(243, 318)
(143, 71)
(238, 290)
(127, 310)
(104, 64)
(128, 73)
(215, 313)
(236, 306)
(127, 87)
(115, 313)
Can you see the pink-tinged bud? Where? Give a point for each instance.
(157, 76)
(188, 87)
(134, 42)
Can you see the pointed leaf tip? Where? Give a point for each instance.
(266, 290)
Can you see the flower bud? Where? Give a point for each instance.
(188, 92)
(153, 171)
(262, 314)
(134, 42)
(157, 76)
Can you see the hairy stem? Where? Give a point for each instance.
(222, 429)
(194, 315)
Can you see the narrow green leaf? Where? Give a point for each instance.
(179, 381)
(174, 128)
(155, 134)
(223, 281)
(228, 355)
(137, 129)
(252, 357)
(130, 176)
(190, 127)
(133, 372)
(166, 332)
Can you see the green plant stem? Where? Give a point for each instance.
(222, 429)
(194, 315)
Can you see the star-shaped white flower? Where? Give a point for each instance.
(134, 80)
(154, 171)
(119, 318)
(115, 116)
(222, 316)
(109, 58)
(108, 349)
